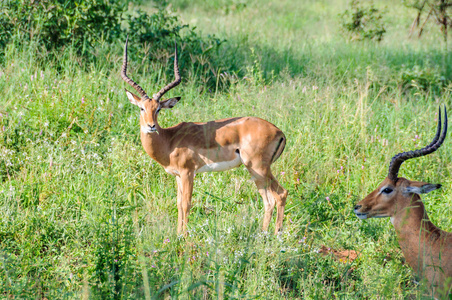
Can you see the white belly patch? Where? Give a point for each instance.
(172, 172)
(220, 166)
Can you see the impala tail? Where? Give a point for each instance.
(279, 149)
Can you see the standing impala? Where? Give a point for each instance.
(426, 248)
(188, 148)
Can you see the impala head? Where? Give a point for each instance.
(150, 107)
(396, 193)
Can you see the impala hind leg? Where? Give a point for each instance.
(273, 194)
(184, 194)
(280, 203)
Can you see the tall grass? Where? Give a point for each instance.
(85, 213)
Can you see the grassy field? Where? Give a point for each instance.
(85, 213)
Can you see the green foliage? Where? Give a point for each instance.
(363, 22)
(86, 27)
(160, 30)
(114, 270)
(16, 135)
(222, 6)
(60, 23)
(437, 12)
(421, 79)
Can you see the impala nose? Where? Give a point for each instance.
(357, 207)
(152, 127)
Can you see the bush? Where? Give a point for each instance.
(114, 270)
(159, 31)
(88, 27)
(421, 79)
(363, 23)
(57, 24)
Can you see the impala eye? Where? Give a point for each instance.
(387, 190)
(142, 109)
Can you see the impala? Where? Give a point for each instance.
(188, 148)
(426, 248)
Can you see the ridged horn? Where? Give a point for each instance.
(398, 159)
(124, 76)
(176, 81)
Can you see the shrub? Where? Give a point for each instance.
(160, 30)
(88, 27)
(60, 23)
(114, 270)
(421, 79)
(363, 23)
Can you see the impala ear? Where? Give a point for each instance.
(134, 99)
(423, 189)
(169, 103)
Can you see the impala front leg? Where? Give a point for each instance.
(184, 193)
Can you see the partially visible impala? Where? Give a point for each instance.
(426, 248)
(189, 148)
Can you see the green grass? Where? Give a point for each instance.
(85, 213)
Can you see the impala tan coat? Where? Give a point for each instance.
(426, 248)
(188, 148)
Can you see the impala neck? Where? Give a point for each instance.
(416, 233)
(156, 145)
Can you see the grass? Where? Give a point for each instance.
(84, 213)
